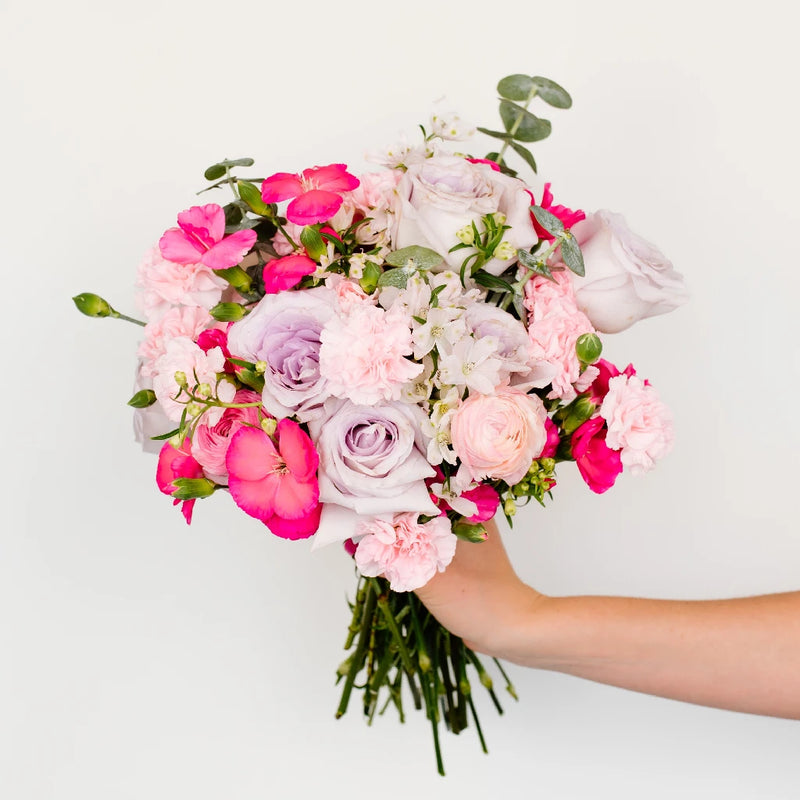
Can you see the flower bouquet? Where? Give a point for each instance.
(386, 360)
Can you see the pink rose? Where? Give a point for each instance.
(598, 464)
(498, 436)
(639, 424)
(407, 553)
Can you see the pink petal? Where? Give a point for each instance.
(297, 450)
(300, 528)
(256, 498)
(486, 498)
(230, 251)
(176, 247)
(187, 507)
(174, 463)
(294, 499)
(210, 218)
(314, 206)
(284, 273)
(281, 186)
(334, 178)
(251, 455)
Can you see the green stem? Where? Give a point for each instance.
(358, 657)
(383, 605)
(116, 315)
(515, 126)
(509, 686)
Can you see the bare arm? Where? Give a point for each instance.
(741, 654)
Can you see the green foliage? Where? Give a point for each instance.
(414, 257)
(143, 399)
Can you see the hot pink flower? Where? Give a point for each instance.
(276, 484)
(553, 439)
(566, 215)
(493, 164)
(174, 463)
(598, 464)
(316, 192)
(404, 551)
(216, 337)
(284, 273)
(200, 237)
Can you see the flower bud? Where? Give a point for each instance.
(466, 235)
(269, 425)
(509, 507)
(261, 367)
(588, 348)
(92, 305)
(578, 412)
(499, 217)
(193, 488)
(424, 661)
(180, 379)
(505, 251)
(203, 390)
(194, 409)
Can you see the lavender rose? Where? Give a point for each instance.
(627, 278)
(283, 330)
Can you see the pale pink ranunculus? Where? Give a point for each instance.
(188, 321)
(403, 550)
(598, 464)
(554, 325)
(639, 424)
(364, 355)
(184, 355)
(438, 196)
(627, 278)
(165, 284)
(498, 436)
(210, 442)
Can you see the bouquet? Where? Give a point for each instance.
(386, 360)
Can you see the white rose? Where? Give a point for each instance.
(437, 197)
(627, 278)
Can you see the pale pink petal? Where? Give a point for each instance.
(294, 499)
(284, 273)
(209, 218)
(334, 178)
(256, 498)
(280, 186)
(300, 528)
(176, 247)
(230, 251)
(297, 450)
(314, 206)
(251, 455)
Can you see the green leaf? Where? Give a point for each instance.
(483, 278)
(228, 312)
(534, 264)
(414, 257)
(470, 533)
(237, 278)
(143, 399)
(497, 135)
(313, 242)
(233, 216)
(252, 196)
(395, 277)
(214, 172)
(516, 87)
(526, 154)
(571, 254)
(551, 92)
(251, 378)
(494, 157)
(549, 221)
(164, 436)
(529, 129)
(237, 162)
(370, 277)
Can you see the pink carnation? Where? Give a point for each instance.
(639, 424)
(175, 463)
(554, 325)
(188, 321)
(165, 284)
(406, 552)
(363, 355)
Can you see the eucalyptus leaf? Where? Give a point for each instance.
(237, 162)
(414, 257)
(549, 221)
(534, 264)
(571, 254)
(214, 172)
(233, 215)
(252, 196)
(516, 87)
(395, 277)
(496, 134)
(526, 154)
(521, 124)
(553, 94)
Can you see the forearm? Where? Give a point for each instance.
(741, 654)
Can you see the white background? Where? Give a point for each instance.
(145, 659)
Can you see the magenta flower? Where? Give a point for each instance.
(598, 464)
(174, 463)
(316, 192)
(276, 484)
(284, 273)
(200, 238)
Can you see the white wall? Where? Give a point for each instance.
(144, 659)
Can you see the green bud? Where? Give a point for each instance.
(194, 409)
(505, 251)
(424, 661)
(578, 412)
(92, 305)
(470, 532)
(180, 379)
(204, 390)
(228, 312)
(193, 488)
(588, 348)
(466, 235)
(370, 277)
(142, 399)
(499, 217)
(510, 508)
(261, 367)
(269, 425)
